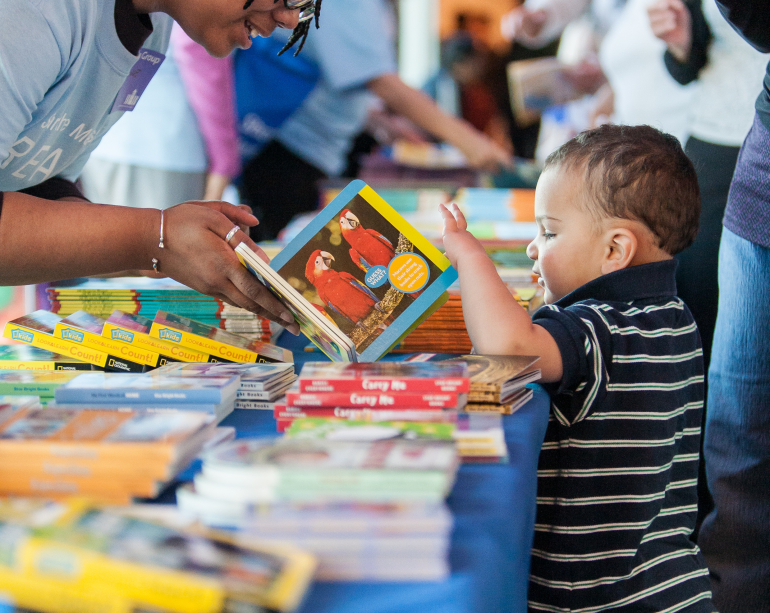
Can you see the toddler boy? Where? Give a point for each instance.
(622, 361)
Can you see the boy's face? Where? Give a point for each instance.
(222, 25)
(568, 250)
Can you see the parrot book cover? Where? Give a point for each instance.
(358, 278)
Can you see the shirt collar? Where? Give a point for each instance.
(133, 29)
(654, 280)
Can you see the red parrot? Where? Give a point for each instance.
(340, 291)
(368, 247)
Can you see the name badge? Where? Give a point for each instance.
(145, 68)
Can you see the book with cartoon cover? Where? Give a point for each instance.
(358, 277)
(27, 357)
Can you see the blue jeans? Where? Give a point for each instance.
(735, 537)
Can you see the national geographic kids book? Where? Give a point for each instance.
(358, 278)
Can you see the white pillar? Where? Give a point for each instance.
(418, 53)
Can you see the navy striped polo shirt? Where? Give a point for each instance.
(617, 474)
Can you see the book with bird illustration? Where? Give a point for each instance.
(358, 278)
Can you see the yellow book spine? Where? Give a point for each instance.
(116, 348)
(145, 341)
(52, 343)
(26, 365)
(87, 575)
(219, 350)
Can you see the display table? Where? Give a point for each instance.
(494, 511)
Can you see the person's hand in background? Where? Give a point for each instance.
(523, 21)
(671, 22)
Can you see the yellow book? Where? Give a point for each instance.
(86, 329)
(26, 357)
(222, 345)
(135, 330)
(36, 329)
(77, 557)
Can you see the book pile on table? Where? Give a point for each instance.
(113, 456)
(370, 511)
(145, 297)
(260, 384)
(209, 395)
(78, 557)
(26, 357)
(497, 382)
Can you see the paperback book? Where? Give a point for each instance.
(386, 377)
(494, 378)
(375, 400)
(358, 277)
(39, 383)
(253, 377)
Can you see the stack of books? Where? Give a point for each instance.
(260, 384)
(380, 391)
(26, 357)
(77, 557)
(368, 510)
(113, 456)
(38, 384)
(208, 395)
(497, 381)
(145, 297)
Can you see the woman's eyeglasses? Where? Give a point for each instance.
(306, 8)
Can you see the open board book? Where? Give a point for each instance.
(358, 278)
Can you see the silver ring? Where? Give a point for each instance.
(231, 233)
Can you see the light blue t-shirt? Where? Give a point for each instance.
(161, 132)
(354, 45)
(61, 66)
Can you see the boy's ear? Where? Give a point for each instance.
(621, 246)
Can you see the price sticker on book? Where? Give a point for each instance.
(408, 272)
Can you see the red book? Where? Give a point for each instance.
(376, 400)
(282, 412)
(420, 377)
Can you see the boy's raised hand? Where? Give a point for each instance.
(458, 242)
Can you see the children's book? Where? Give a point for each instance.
(34, 382)
(36, 329)
(254, 377)
(85, 329)
(377, 400)
(78, 557)
(135, 330)
(26, 357)
(494, 378)
(386, 377)
(222, 345)
(357, 278)
(145, 389)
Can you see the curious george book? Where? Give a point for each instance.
(358, 277)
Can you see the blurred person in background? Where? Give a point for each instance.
(639, 90)
(703, 48)
(298, 117)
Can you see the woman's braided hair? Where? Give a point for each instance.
(300, 32)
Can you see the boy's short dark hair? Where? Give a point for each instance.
(640, 173)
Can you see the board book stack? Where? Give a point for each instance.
(145, 297)
(86, 330)
(260, 384)
(78, 557)
(223, 346)
(369, 510)
(497, 381)
(209, 395)
(39, 384)
(358, 277)
(135, 330)
(37, 330)
(26, 357)
(113, 456)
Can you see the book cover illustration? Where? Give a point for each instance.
(253, 376)
(495, 377)
(364, 274)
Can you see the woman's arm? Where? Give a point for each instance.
(682, 26)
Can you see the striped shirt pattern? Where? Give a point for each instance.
(618, 469)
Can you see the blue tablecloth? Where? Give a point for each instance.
(494, 511)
